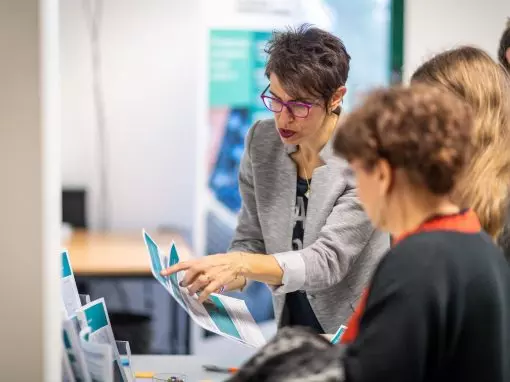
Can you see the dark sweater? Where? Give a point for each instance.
(438, 309)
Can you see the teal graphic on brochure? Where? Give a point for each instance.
(70, 296)
(155, 259)
(67, 342)
(223, 315)
(174, 256)
(157, 267)
(174, 259)
(96, 317)
(66, 266)
(338, 335)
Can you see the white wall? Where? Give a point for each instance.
(154, 104)
(434, 25)
(29, 192)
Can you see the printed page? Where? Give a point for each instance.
(225, 316)
(200, 313)
(74, 352)
(67, 371)
(155, 257)
(338, 335)
(242, 320)
(99, 358)
(70, 294)
(158, 262)
(95, 316)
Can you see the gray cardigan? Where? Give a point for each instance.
(340, 246)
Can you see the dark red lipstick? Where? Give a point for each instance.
(286, 133)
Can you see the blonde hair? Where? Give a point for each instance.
(474, 76)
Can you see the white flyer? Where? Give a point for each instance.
(67, 371)
(223, 315)
(73, 350)
(95, 316)
(70, 294)
(99, 358)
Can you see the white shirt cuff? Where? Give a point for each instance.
(294, 273)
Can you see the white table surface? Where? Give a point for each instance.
(191, 366)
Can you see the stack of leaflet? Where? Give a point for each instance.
(90, 350)
(223, 315)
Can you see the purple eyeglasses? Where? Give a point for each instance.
(296, 108)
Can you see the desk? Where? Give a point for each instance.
(189, 365)
(95, 254)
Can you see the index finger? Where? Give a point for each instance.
(182, 266)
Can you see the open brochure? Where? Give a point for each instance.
(67, 371)
(95, 316)
(70, 294)
(90, 350)
(73, 350)
(223, 315)
(99, 358)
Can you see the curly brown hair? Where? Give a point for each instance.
(420, 129)
(472, 75)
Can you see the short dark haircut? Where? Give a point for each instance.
(504, 45)
(422, 130)
(308, 61)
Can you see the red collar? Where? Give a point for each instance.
(465, 221)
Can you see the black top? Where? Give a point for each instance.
(297, 310)
(438, 309)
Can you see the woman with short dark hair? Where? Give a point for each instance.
(301, 227)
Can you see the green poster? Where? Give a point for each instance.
(230, 68)
(236, 71)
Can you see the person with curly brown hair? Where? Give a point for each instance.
(438, 305)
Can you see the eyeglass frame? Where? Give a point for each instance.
(287, 104)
